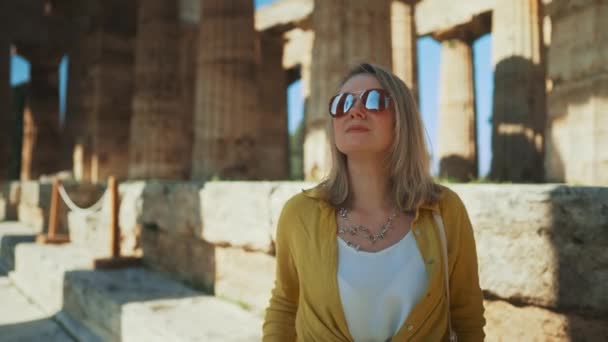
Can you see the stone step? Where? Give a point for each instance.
(126, 305)
(22, 320)
(11, 234)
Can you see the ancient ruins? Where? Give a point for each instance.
(184, 103)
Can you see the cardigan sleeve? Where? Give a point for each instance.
(279, 320)
(466, 298)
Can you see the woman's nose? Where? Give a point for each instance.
(358, 111)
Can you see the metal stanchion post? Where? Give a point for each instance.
(52, 235)
(115, 260)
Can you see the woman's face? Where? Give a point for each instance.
(359, 131)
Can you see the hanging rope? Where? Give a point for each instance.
(75, 208)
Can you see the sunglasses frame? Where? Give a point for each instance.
(360, 96)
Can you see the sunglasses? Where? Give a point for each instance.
(374, 100)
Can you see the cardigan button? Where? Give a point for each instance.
(410, 327)
(417, 231)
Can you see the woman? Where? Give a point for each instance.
(359, 257)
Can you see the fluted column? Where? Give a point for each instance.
(456, 137)
(273, 138)
(5, 107)
(346, 33)
(519, 91)
(42, 152)
(403, 34)
(226, 112)
(159, 139)
(78, 120)
(100, 91)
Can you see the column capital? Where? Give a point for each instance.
(478, 26)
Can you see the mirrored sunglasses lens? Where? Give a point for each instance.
(348, 103)
(334, 104)
(373, 100)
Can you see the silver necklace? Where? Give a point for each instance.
(356, 230)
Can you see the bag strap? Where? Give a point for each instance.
(444, 246)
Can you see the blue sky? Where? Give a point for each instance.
(429, 59)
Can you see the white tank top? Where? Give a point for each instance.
(379, 289)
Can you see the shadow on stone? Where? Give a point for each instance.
(457, 168)
(170, 226)
(11, 235)
(518, 121)
(579, 235)
(99, 299)
(38, 330)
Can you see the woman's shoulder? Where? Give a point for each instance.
(304, 202)
(449, 200)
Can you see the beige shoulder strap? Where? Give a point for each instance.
(444, 246)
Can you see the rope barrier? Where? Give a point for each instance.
(84, 211)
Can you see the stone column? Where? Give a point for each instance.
(80, 102)
(403, 33)
(226, 116)
(577, 125)
(346, 33)
(187, 66)
(159, 139)
(456, 135)
(273, 138)
(42, 152)
(5, 108)
(519, 91)
(100, 93)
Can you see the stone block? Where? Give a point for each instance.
(185, 258)
(96, 298)
(174, 207)
(22, 320)
(506, 322)
(11, 235)
(93, 232)
(10, 193)
(39, 271)
(237, 214)
(279, 195)
(541, 244)
(199, 318)
(244, 277)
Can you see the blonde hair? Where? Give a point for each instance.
(408, 161)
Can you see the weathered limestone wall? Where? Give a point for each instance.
(577, 124)
(457, 148)
(346, 33)
(519, 91)
(273, 138)
(100, 93)
(159, 139)
(543, 247)
(226, 117)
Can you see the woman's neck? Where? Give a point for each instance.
(369, 186)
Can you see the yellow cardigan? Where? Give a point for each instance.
(305, 303)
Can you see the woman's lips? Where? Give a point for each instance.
(357, 129)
